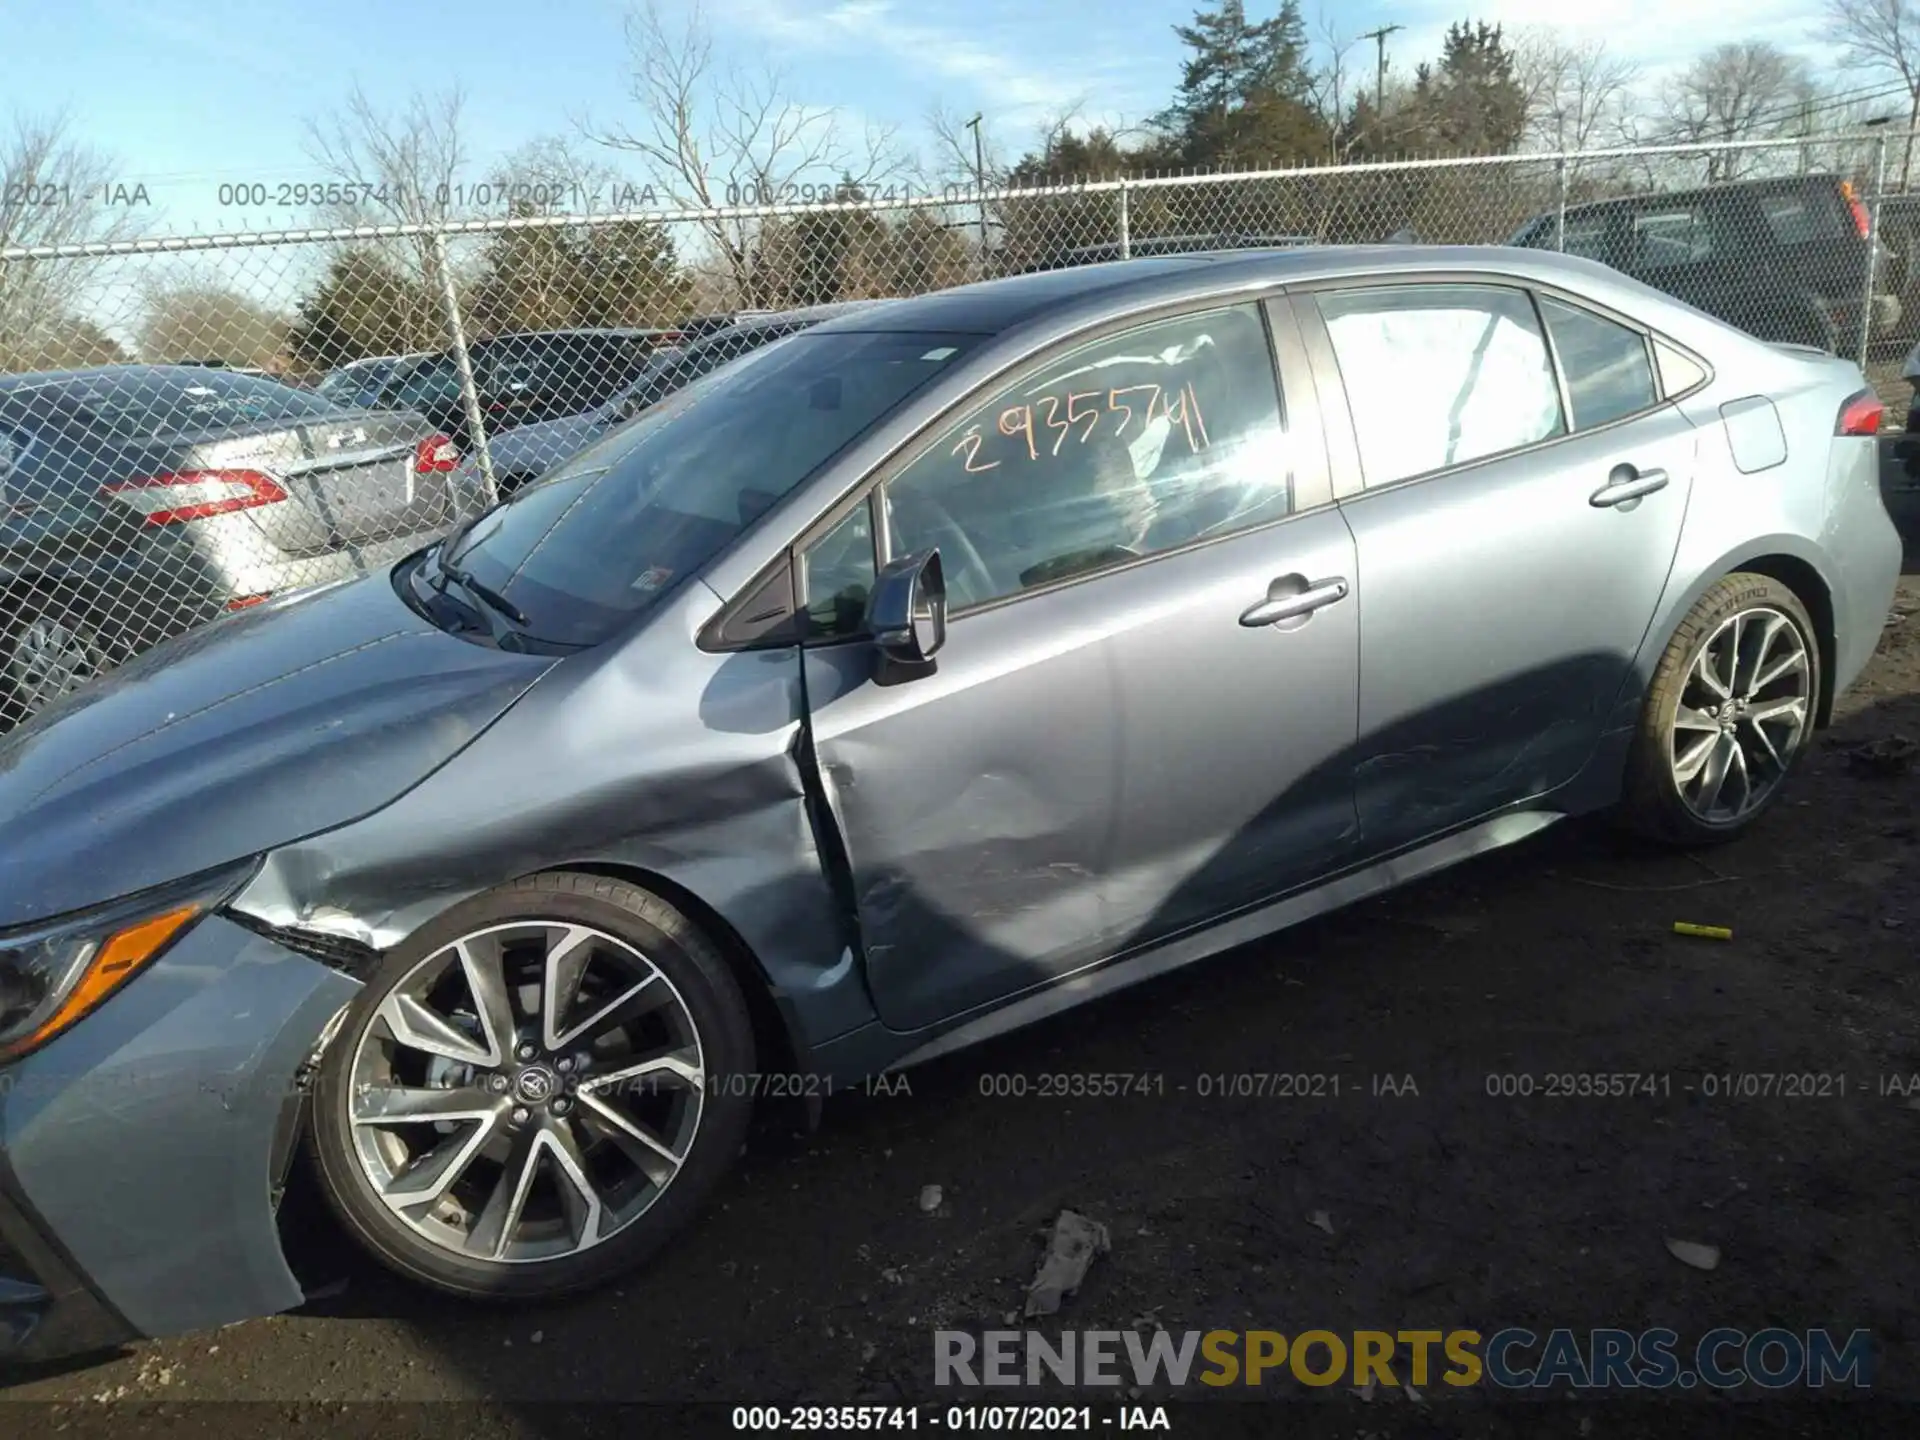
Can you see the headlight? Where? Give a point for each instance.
(56, 974)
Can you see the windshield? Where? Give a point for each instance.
(689, 365)
(350, 380)
(619, 524)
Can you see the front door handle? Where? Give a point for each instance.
(1627, 483)
(1276, 608)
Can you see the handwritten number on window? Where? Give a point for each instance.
(1018, 420)
(1078, 415)
(1114, 402)
(970, 442)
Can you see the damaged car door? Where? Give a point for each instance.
(1130, 600)
(1516, 481)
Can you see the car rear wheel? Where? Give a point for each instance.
(531, 1096)
(49, 648)
(1731, 708)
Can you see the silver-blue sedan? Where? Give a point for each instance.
(921, 674)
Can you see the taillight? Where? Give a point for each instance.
(1860, 217)
(182, 495)
(435, 455)
(1861, 415)
(247, 602)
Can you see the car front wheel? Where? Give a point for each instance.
(1731, 708)
(528, 1097)
(48, 648)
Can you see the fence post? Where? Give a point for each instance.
(1560, 203)
(1873, 244)
(1126, 222)
(469, 392)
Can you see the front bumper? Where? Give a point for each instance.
(140, 1151)
(46, 1308)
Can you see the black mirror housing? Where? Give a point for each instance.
(907, 611)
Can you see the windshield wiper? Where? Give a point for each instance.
(486, 593)
(462, 577)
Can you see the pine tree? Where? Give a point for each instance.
(1472, 101)
(1244, 89)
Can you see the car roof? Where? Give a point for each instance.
(992, 307)
(805, 315)
(618, 332)
(1772, 184)
(118, 376)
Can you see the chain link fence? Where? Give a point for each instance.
(192, 424)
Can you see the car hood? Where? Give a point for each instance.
(535, 449)
(260, 729)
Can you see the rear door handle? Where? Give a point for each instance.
(1276, 608)
(1627, 483)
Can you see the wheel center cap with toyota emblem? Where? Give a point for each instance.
(536, 1085)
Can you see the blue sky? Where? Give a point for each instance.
(187, 97)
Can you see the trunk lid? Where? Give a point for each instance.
(349, 479)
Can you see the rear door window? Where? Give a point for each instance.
(1590, 236)
(1674, 235)
(1440, 375)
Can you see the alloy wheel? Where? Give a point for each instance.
(48, 658)
(526, 1092)
(1743, 712)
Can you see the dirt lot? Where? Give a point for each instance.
(820, 1276)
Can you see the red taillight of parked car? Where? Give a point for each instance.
(436, 455)
(182, 495)
(1861, 415)
(247, 602)
(1862, 221)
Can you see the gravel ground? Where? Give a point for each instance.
(820, 1274)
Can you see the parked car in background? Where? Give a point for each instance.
(523, 378)
(1785, 259)
(1907, 448)
(524, 454)
(1149, 245)
(910, 679)
(359, 382)
(137, 501)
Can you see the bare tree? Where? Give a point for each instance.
(715, 135)
(404, 167)
(954, 160)
(1332, 85)
(51, 194)
(198, 316)
(554, 176)
(1884, 36)
(1578, 94)
(1741, 90)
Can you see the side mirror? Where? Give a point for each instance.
(907, 612)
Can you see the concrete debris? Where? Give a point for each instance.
(1690, 1252)
(1075, 1242)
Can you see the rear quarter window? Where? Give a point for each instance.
(1801, 218)
(1608, 370)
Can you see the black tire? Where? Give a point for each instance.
(1652, 804)
(25, 687)
(712, 997)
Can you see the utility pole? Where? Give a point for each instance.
(980, 184)
(1379, 38)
